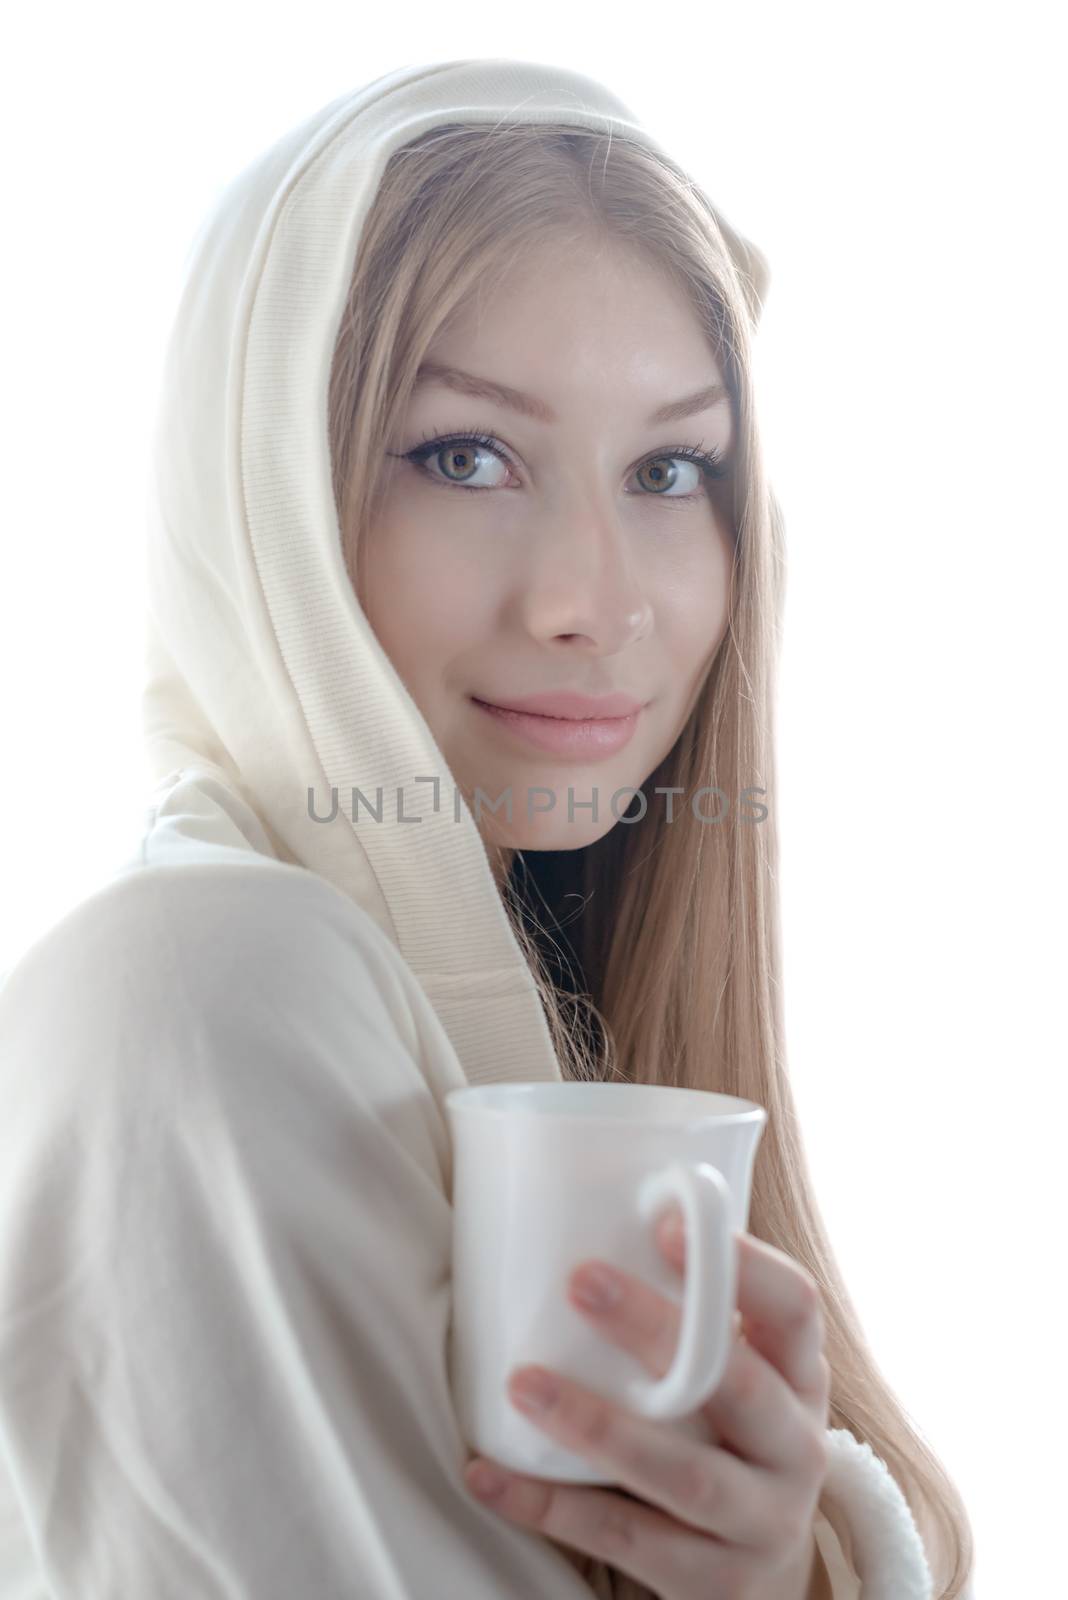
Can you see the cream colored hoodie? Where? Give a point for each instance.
(225, 1170)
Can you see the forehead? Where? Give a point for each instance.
(706, 397)
(584, 325)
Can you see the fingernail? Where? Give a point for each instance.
(597, 1288)
(486, 1481)
(534, 1389)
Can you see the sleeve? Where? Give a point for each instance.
(866, 1535)
(225, 1262)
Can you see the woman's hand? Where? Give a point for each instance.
(711, 1523)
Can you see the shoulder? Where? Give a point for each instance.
(237, 1037)
(251, 953)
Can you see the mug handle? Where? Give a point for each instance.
(707, 1327)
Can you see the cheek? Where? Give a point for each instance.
(693, 596)
(423, 607)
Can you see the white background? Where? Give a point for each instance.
(900, 168)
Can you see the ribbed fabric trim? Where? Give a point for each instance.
(888, 1552)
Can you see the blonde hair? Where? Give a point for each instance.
(678, 943)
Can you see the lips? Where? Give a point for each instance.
(570, 706)
(572, 737)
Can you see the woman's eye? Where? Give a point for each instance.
(458, 461)
(668, 472)
(455, 462)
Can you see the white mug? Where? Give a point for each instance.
(549, 1175)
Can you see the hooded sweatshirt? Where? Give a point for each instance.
(225, 1164)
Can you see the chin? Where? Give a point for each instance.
(555, 834)
(613, 784)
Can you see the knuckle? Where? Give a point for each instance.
(808, 1302)
(547, 1512)
(818, 1393)
(616, 1525)
(748, 1376)
(596, 1423)
(691, 1486)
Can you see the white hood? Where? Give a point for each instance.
(261, 662)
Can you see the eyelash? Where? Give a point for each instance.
(710, 461)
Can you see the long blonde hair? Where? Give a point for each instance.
(678, 945)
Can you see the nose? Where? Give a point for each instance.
(585, 591)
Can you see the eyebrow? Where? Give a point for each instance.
(713, 394)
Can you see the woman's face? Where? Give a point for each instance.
(584, 556)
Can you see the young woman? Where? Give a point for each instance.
(465, 584)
